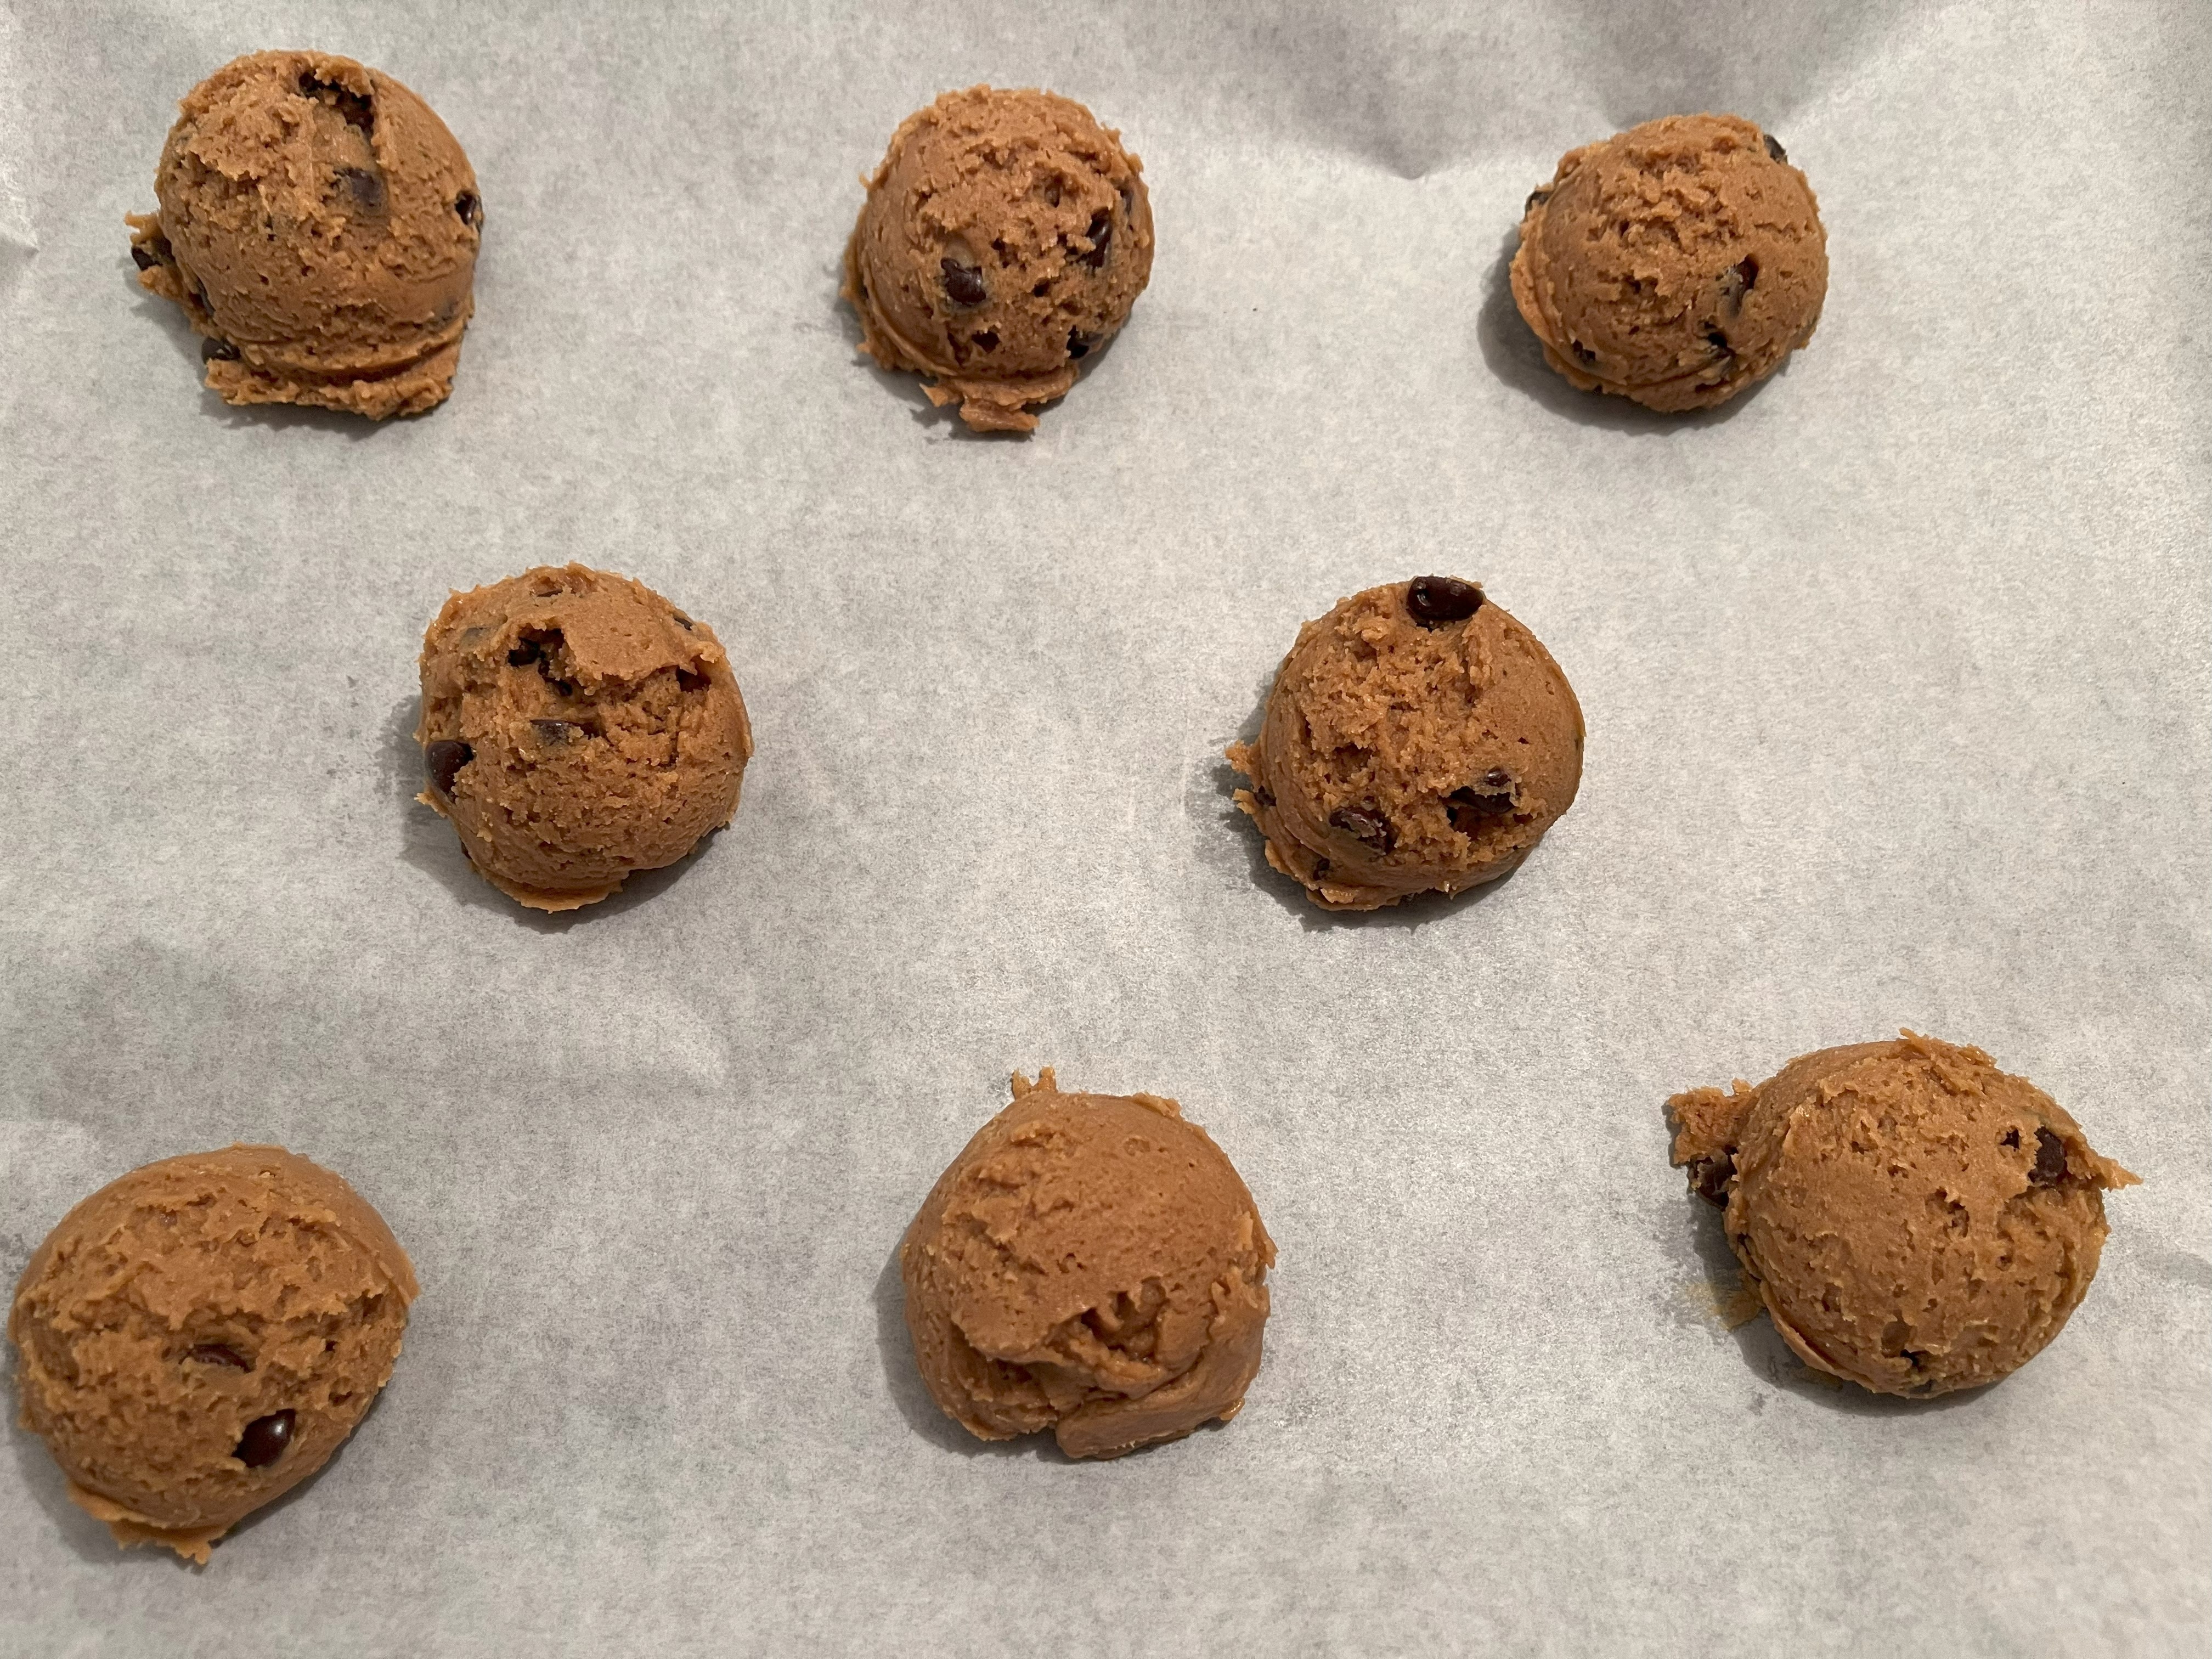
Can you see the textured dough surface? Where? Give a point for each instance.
(1675, 263)
(1005, 237)
(1089, 1264)
(1914, 1219)
(1396, 758)
(320, 226)
(603, 730)
(188, 1300)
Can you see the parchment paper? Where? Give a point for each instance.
(1896, 679)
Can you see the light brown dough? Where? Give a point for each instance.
(1914, 1219)
(1089, 1264)
(175, 1317)
(320, 226)
(1005, 237)
(577, 727)
(1405, 753)
(1675, 263)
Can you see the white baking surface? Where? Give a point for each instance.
(1896, 676)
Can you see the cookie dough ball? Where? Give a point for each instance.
(577, 727)
(1417, 740)
(198, 1337)
(1005, 237)
(320, 226)
(1914, 1219)
(1089, 1264)
(1675, 263)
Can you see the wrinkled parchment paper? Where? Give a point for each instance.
(1896, 679)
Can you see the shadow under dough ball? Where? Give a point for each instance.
(200, 1336)
(1675, 263)
(577, 727)
(320, 226)
(1089, 1264)
(1915, 1220)
(1005, 237)
(1417, 739)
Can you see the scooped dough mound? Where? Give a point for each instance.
(577, 727)
(1005, 238)
(319, 225)
(1675, 263)
(1914, 1219)
(1089, 1264)
(200, 1336)
(1417, 740)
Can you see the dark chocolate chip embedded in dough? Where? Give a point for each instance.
(468, 207)
(963, 284)
(1541, 193)
(1367, 828)
(1474, 811)
(220, 1353)
(1774, 147)
(1719, 341)
(1581, 351)
(1101, 233)
(683, 622)
(523, 655)
(265, 1439)
(1738, 280)
(988, 340)
(1710, 1177)
(142, 259)
(1432, 601)
(2049, 1160)
(557, 731)
(442, 762)
(358, 110)
(686, 680)
(218, 351)
(365, 186)
(1079, 344)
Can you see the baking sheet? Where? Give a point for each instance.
(1896, 679)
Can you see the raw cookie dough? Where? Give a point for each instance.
(1915, 1220)
(1005, 238)
(1675, 263)
(1417, 740)
(577, 727)
(320, 226)
(1089, 1264)
(200, 1336)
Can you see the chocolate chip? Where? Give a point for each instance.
(442, 762)
(2011, 1138)
(365, 186)
(557, 731)
(1541, 193)
(1474, 811)
(1433, 601)
(1101, 233)
(142, 259)
(265, 1439)
(523, 655)
(1774, 147)
(683, 622)
(988, 340)
(2049, 1160)
(218, 351)
(1746, 269)
(1738, 280)
(1710, 1176)
(963, 284)
(566, 687)
(358, 110)
(217, 1353)
(688, 680)
(1719, 341)
(1582, 352)
(469, 210)
(1369, 829)
(1079, 344)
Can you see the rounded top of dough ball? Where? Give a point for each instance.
(200, 1335)
(1005, 237)
(1675, 263)
(317, 219)
(1914, 1219)
(577, 727)
(1090, 1264)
